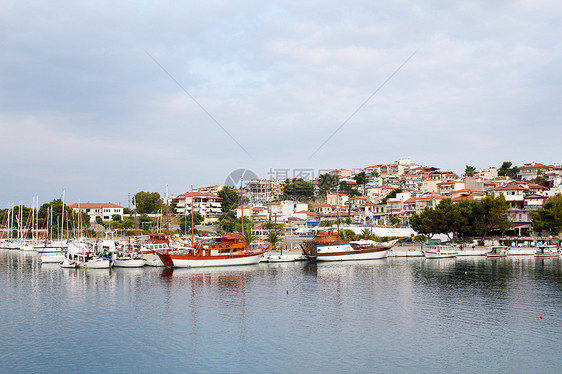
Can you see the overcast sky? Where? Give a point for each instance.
(103, 99)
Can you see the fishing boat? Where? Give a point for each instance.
(329, 246)
(128, 260)
(439, 251)
(230, 250)
(498, 251)
(549, 250)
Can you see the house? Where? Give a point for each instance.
(429, 200)
(375, 192)
(446, 188)
(105, 211)
(337, 198)
(532, 170)
(430, 185)
(341, 173)
(515, 192)
(489, 173)
(206, 204)
(263, 191)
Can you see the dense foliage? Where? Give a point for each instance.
(298, 189)
(549, 217)
(148, 202)
(327, 183)
(508, 170)
(468, 217)
(230, 199)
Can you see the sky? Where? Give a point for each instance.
(103, 99)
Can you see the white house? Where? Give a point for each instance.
(206, 204)
(105, 211)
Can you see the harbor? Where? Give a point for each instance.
(387, 315)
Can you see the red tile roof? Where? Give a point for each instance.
(94, 205)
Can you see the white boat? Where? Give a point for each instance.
(329, 246)
(498, 251)
(94, 263)
(547, 251)
(439, 251)
(68, 264)
(49, 246)
(128, 260)
(280, 258)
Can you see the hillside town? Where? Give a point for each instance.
(383, 195)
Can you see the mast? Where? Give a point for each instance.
(242, 205)
(62, 218)
(192, 213)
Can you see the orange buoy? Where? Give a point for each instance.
(541, 317)
(288, 293)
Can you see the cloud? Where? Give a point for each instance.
(81, 93)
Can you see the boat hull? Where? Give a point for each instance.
(353, 256)
(194, 261)
(432, 255)
(96, 264)
(129, 263)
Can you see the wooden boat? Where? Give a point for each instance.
(498, 251)
(231, 250)
(329, 246)
(547, 251)
(439, 251)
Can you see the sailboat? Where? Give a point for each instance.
(229, 250)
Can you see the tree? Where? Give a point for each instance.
(492, 214)
(273, 238)
(348, 189)
(549, 217)
(424, 223)
(298, 189)
(328, 183)
(366, 234)
(391, 195)
(248, 234)
(148, 202)
(395, 220)
(230, 199)
(507, 170)
(362, 179)
(116, 217)
(469, 171)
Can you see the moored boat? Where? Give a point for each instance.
(547, 251)
(498, 251)
(439, 251)
(128, 260)
(329, 246)
(231, 250)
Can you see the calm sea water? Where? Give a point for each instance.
(469, 315)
